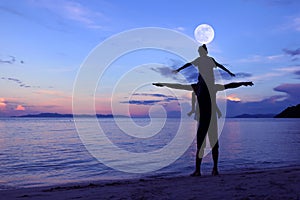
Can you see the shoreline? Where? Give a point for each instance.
(273, 183)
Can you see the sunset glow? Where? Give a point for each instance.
(2, 103)
(233, 98)
(20, 108)
(45, 43)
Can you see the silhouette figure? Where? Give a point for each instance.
(205, 65)
(213, 131)
(207, 101)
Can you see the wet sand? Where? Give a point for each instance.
(279, 183)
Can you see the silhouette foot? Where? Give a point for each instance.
(195, 173)
(214, 172)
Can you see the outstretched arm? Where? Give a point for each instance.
(219, 87)
(183, 67)
(174, 86)
(237, 84)
(223, 68)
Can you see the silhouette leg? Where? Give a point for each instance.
(213, 139)
(204, 121)
(205, 110)
(215, 155)
(198, 161)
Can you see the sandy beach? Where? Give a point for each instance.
(279, 183)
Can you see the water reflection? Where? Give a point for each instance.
(231, 139)
(37, 152)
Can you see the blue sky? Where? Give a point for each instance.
(44, 42)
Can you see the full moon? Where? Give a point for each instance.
(204, 33)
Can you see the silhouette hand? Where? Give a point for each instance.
(219, 115)
(248, 83)
(190, 113)
(158, 84)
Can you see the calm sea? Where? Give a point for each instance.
(42, 152)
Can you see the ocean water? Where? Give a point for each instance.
(42, 151)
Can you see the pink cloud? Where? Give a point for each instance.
(233, 97)
(2, 103)
(20, 108)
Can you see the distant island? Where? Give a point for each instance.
(57, 115)
(255, 116)
(290, 112)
